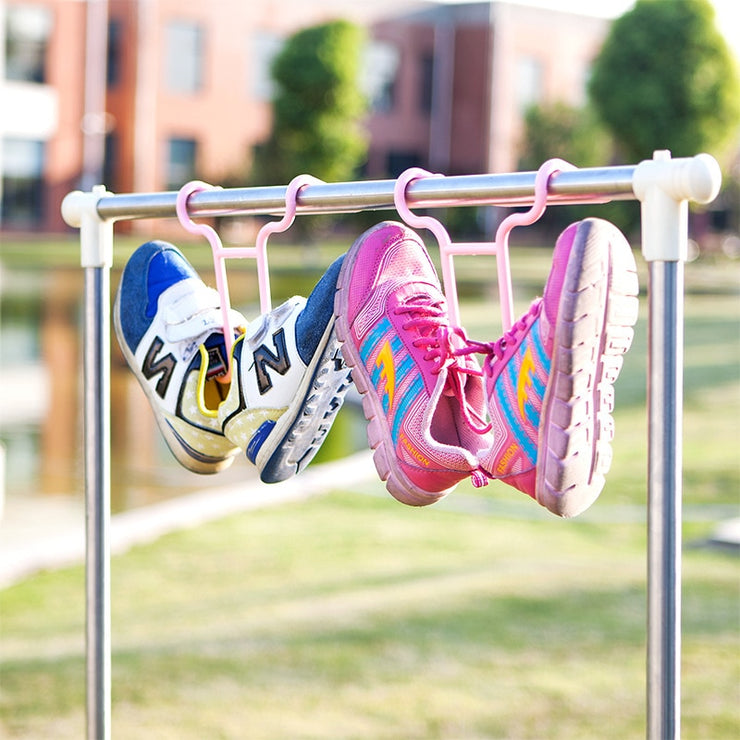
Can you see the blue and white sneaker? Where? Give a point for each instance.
(169, 328)
(288, 383)
(288, 376)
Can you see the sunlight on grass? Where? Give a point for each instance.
(352, 616)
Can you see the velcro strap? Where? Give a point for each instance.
(190, 304)
(197, 314)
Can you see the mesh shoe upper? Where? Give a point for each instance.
(418, 397)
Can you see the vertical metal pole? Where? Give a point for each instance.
(96, 253)
(94, 120)
(665, 409)
(97, 499)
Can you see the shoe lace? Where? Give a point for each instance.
(434, 334)
(494, 351)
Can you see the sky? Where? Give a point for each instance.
(728, 12)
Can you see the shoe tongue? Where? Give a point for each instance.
(216, 351)
(418, 293)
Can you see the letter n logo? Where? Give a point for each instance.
(264, 358)
(152, 367)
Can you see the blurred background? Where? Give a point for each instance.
(349, 616)
(144, 95)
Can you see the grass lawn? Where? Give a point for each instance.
(351, 616)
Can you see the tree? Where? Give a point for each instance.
(560, 130)
(575, 135)
(318, 107)
(665, 79)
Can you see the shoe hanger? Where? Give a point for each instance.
(221, 253)
(499, 247)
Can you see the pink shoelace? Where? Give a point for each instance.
(445, 345)
(436, 336)
(495, 351)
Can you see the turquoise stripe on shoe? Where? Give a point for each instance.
(402, 404)
(506, 392)
(373, 339)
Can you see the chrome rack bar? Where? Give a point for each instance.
(662, 185)
(581, 186)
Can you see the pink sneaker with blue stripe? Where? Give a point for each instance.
(424, 404)
(550, 379)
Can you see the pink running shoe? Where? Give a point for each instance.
(425, 406)
(549, 379)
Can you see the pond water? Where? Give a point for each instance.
(41, 397)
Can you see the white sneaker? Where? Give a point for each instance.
(288, 376)
(169, 328)
(288, 383)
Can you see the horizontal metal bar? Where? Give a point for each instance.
(577, 186)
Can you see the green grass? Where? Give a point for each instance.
(351, 616)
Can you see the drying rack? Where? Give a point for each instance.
(663, 185)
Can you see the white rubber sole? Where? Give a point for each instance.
(598, 309)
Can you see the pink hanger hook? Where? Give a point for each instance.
(181, 207)
(499, 248)
(276, 227)
(217, 249)
(221, 253)
(541, 183)
(401, 203)
(432, 224)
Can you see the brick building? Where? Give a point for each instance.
(178, 88)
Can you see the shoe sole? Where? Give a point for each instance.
(301, 430)
(598, 308)
(378, 436)
(187, 456)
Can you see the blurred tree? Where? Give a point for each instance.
(666, 79)
(575, 135)
(318, 107)
(560, 130)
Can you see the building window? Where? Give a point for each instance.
(265, 47)
(23, 183)
(529, 82)
(114, 56)
(380, 71)
(399, 161)
(183, 57)
(27, 31)
(427, 83)
(181, 159)
(110, 162)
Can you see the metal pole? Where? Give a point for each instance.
(94, 120)
(96, 257)
(664, 187)
(511, 189)
(97, 500)
(665, 410)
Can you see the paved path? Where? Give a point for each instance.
(38, 534)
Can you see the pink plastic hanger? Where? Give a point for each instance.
(500, 247)
(258, 252)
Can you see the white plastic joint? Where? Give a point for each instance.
(664, 187)
(96, 234)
